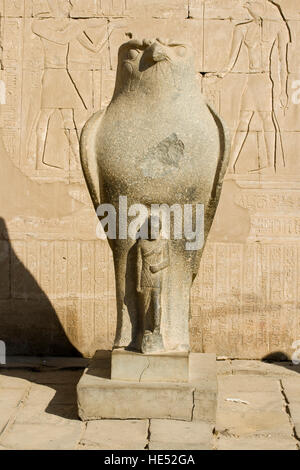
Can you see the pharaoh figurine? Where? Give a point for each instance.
(152, 263)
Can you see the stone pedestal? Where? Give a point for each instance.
(162, 367)
(103, 395)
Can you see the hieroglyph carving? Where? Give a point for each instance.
(59, 90)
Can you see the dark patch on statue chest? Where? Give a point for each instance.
(163, 158)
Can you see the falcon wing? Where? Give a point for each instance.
(88, 155)
(225, 147)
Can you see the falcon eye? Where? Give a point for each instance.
(181, 51)
(132, 54)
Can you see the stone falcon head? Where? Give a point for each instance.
(150, 64)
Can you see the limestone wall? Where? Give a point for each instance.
(56, 278)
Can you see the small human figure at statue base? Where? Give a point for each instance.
(153, 259)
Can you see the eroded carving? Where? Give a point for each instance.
(265, 32)
(59, 90)
(152, 261)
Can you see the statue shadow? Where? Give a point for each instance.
(29, 325)
(59, 384)
(281, 359)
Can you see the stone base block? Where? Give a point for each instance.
(100, 397)
(162, 367)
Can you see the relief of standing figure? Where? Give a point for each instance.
(260, 36)
(152, 260)
(59, 91)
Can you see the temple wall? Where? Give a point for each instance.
(56, 278)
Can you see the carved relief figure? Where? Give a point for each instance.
(261, 35)
(152, 261)
(59, 91)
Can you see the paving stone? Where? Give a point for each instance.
(291, 387)
(37, 414)
(10, 398)
(57, 377)
(180, 435)
(256, 443)
(263, 415)
(56, 394)
(43, 436)
(294, 409)
(5, 415)
(45, 361)
(248, 383)
(116, 435)
(83, 447)
(9, 401)
(280, 369)
(9, 381)
(17, 373)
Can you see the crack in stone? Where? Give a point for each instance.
(13, 416)
(144, 370)
(288, 412)
(80, 440)
(148, 435)
(193, 404)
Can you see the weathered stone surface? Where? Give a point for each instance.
(291, 390)
(203, 372)
(291, 387)
(43, 436)
(177, 435)
(252, 413)
(173, 150)
(61, 394)
(11, 396)
(163, 367)
(6, 413)
(249, 384)
(294, 409)
(46, 414)
(100, 397)
(256, 443)
(280, 369)
(116, 435)
(7, 381)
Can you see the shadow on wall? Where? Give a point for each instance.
(28, 326)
